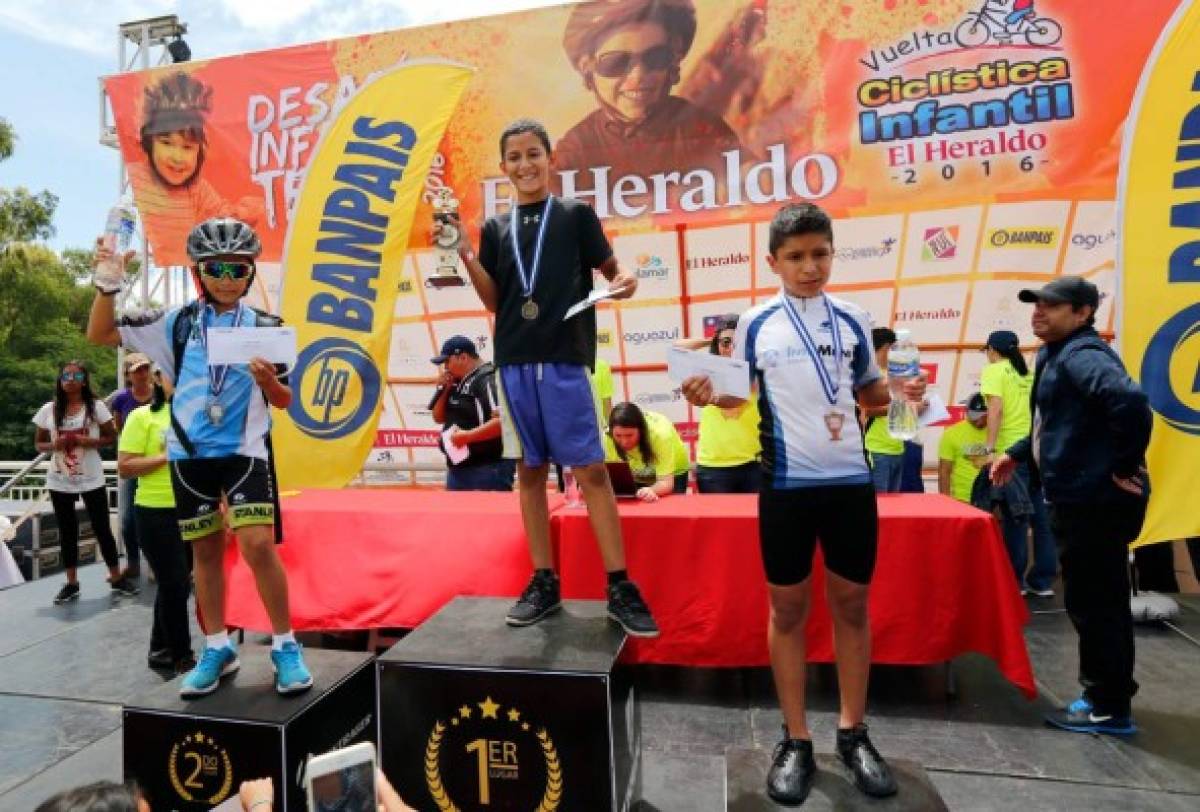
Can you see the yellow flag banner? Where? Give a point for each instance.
(344, 255)
(1160, 269)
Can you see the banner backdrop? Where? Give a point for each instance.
(1160, 270)
(964, 151)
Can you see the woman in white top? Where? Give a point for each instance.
(72, 428)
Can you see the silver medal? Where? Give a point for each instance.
(215, 412)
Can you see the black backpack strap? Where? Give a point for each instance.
(262, 319)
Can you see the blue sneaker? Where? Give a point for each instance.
(291, 675)
(1084, 719)
(206, 676)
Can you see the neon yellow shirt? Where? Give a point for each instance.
(144, 433)
(966, 447)
(670, 454)
(729, 437)
(1002, 381)
(879, 441)
(602, 388)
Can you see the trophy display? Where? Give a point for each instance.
(445, 240)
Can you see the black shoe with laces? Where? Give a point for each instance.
(627, 609)
(69, 592)
(871, 773)
(793, 771)
(161, 659)
(539, 599)
(123, 586)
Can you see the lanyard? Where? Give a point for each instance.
(529, 278)
(217, 374)
(829, 383)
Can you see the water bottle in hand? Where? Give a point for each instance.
(903, 365)
(118, 236)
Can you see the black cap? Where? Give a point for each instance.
(453, 346)
(1072, 290)
(976, 403)
(1002, 341)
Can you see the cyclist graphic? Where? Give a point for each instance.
(1021, 10)
(1003, 20)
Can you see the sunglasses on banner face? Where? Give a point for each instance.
(67, 377)
(615, 64)
(222, 269)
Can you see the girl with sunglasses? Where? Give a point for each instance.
(71, 428)
(727, 454)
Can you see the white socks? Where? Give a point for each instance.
(218, 640)
(277, 640)
(222, 640)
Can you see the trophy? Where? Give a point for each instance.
(445, 241)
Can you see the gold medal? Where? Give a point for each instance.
(834, 421)
(529, 310)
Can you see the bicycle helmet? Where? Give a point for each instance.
(223, 237)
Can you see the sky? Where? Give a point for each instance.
(56, 50)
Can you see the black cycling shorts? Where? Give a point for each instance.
(200, 483)
(843, 517)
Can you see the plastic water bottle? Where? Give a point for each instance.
(571, 486)
(903, 365)
(118, 236)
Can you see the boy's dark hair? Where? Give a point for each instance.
(525, 125)
(102, 796)
(178, 103)
(882, 337)
(799, 218)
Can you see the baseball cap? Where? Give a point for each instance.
(453, 346)
(136, 360)
(976, 406)
(1073, 290)
(1002, 340)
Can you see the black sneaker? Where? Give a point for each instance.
(161, 659)
(185, 663)
(539, 599)
(69, 592)
(871, 773)
(123, 586)
(793, 771)
(627, 609)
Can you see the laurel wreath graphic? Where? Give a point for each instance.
(220, 795)
(433, 773)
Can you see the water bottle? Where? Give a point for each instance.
(118, 236)
(903, 364)
(571, 486)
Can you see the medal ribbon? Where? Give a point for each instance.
(529, 279)
(829, 383)
(216, 374)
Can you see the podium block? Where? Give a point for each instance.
(191, 755)
(476, 715)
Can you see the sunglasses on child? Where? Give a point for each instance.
(725, 342)
(614, 64)
(218, 269)
(67, 377)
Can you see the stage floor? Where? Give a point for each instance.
(65, 670)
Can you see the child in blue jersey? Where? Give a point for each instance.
(217, 444)
(812, 358)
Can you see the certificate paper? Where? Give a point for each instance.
(597, 295)
(729, 376)
(234, 345)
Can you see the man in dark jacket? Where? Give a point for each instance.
(1091, 426)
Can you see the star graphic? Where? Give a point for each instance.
(489, 708)
(454, 722)
(514, 715)
(525, 726)
(464, 712)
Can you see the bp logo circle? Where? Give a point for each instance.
(1171, 366)
(337, 388)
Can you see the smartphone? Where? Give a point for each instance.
(342, 780)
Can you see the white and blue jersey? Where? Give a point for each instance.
(798, 446)
(246, 419)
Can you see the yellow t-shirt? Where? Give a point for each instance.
(729, 437)
(879, 441)
(670, 454)
(144, 433)
(602, 387)
(1001, 380)
(966, 447)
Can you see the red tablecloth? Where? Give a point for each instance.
(362, 559)
(943, 585)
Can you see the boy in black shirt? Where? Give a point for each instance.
(534, 263)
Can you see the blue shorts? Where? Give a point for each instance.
(549, 414)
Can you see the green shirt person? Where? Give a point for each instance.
(962, 451)
(1005, 383)
(650, 444)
